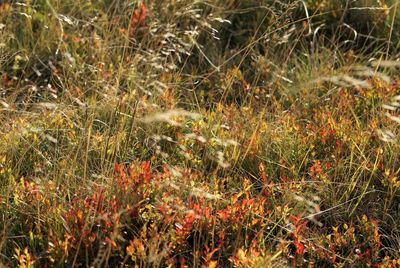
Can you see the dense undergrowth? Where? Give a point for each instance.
(199, 133)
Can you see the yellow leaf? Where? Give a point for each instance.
(241, 254)
(212, 264)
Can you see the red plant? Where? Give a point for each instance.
(138, 18)
(146, 172)
(183, 227)
(261, 169)
(316, 170)
(224, 214)
(299, 225)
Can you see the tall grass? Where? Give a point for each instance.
(199, 133)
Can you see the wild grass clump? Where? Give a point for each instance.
(199, 134)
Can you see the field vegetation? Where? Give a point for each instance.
(207, 133)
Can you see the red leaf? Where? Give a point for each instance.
(294, 219)
(146, 171)
(299, 248)
(223, 215)
(139, 17)
(117, 168)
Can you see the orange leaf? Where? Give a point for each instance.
(299, 247)
(138, 17)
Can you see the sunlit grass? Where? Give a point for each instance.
(199, 134)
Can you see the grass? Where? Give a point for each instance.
(199, 134)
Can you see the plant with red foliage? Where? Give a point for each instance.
(138, 18)
(299, 225)
(183, 227)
